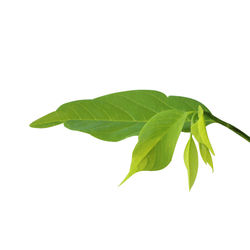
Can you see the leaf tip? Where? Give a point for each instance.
(34, 124)
(31, 125)
(190, 185)
(212, 168)
(126, 178)
(47, 121)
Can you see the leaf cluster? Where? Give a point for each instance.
(156, 119)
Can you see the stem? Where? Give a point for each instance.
(233, 128)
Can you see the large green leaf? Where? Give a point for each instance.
(157, 141)
(111, 117)
(191, 161)
(117, 116)
(199, 130)
(187, 105)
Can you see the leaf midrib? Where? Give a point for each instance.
(94, 120)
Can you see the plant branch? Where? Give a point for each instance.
(228, 125)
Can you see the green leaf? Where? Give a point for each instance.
(187, 105)
(117, 116)
(157, 141)
(198, 129)
(206, 156)
(111, 117)
(191, 161)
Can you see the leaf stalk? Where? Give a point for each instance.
(230, 126)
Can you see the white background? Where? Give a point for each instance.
(59, 188)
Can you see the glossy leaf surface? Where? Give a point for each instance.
(157, 141)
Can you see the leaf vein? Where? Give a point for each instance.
(121, 110)
(138, 104)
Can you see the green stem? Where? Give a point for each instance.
(233, 128)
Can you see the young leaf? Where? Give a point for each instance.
(191, 161)
(157, 141)
(187, 105)
(111, 117)
(205, 154)
(198, 129)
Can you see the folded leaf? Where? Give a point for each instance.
(205, 154)
(111, 117)
(157, 141)
(191, 161)
(198, 129)
(187, 105)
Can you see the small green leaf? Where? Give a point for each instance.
(191, 161)
(206, 156)
(198, 129)
(187, 105)
(157, 141)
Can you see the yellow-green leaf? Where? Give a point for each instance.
(157, 141)
(206, 156)
(198, 129)
(191, 161)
